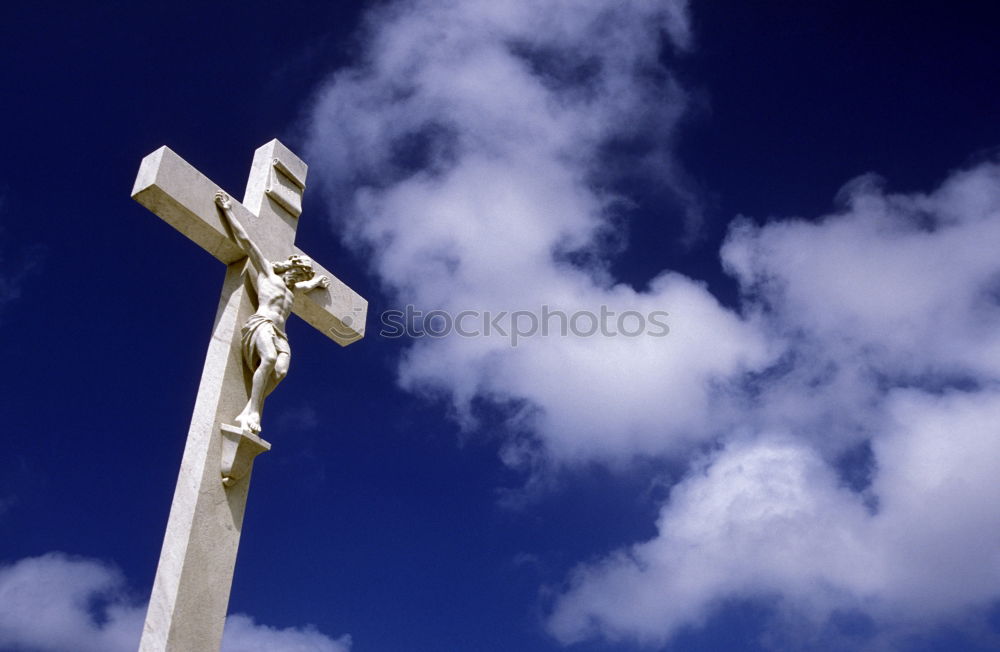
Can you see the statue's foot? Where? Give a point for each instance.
(250, 423)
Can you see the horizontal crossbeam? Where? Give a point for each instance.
(185, 198)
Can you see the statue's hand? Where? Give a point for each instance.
(222, 199)
(322, 282)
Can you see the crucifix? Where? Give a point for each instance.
(267, 277)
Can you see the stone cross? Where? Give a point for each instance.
(187, 609)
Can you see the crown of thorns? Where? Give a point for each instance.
(300, 261)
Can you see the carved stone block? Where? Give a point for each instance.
(284, 187)
(238, 451)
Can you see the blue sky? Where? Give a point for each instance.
(807, 460)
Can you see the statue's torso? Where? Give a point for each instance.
(274, 299)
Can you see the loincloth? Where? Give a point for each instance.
(259, 326)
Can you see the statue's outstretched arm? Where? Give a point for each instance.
(248, 246)
(313, 283)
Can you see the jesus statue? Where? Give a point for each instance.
(265, 345)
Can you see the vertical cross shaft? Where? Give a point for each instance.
(190, 595)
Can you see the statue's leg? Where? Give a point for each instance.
(266, 353)
(280, 371)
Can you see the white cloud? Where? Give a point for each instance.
(892, 276)
(243, 635)
(883, 308)
(894, 290)
(769, 517)
(761, 517)
(466, 156)
(58, 603)
(937, 489)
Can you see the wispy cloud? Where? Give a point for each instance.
(244, 635)
(302, 417)
(57, 603)
(15, 267)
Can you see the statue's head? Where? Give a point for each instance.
(295, 269)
